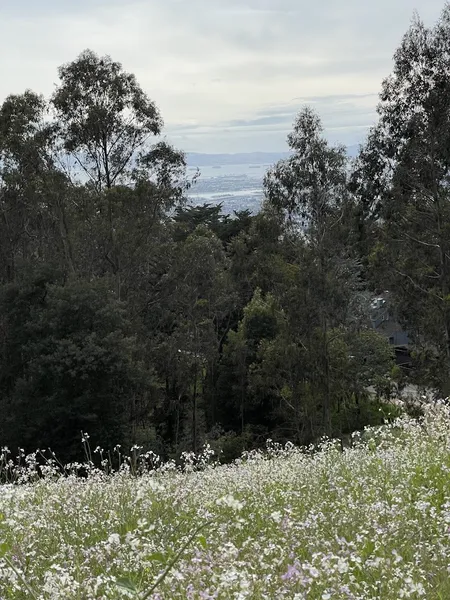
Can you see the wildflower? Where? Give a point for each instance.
(231, 502)
(276, 516)
(293, 571)
(114, 539)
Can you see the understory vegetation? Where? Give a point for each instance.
(315, 523)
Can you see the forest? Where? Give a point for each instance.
(129, 314)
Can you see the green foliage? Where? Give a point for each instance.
(311, 184)
(231, 445)
(225, 227)
(104, 116)
(133, 315)
(401, 176)
(70, 364)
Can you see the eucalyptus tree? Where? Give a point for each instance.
(109, 127)
(105, 117)
(309, 192)
(402, 182)
(34, 194)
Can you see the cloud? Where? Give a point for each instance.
(223, 72)
(346, 119)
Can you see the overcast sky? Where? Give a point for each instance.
(227, 75)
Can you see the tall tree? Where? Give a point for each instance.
(68, 362)
(106, 122)
(34, 195)
(239, 406)
(200, 299)
(104, 116)
(309, 192)
(405, 167)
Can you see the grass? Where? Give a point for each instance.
(372, 522)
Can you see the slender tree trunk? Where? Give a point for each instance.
(177, 423)
(133, 418)
(213, 394)
(444, 271)
(243, 373)
(445, 291)
(11, 262)
(64, 233)
(194, 409)
(115, 260)
(242, 406)
(115, 256)
(326, 402)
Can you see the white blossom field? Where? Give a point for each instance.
(372, 522)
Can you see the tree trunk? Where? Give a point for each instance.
(194, 410)
(64, 233)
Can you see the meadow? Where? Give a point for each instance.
(370, 522)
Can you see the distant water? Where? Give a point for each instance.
(252, 171)
(236, 187)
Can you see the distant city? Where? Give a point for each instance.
(233, 180)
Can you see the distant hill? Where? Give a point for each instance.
(195, 159)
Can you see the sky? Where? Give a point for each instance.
(227, 75)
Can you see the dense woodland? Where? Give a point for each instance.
(129, 314)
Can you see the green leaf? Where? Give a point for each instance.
(127, 584)
(202, 541)
(157, 557)
(368, 549)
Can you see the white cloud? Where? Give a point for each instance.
(208, 63)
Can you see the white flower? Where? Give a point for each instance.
(342, 565)
(276, 516)
(314, 572)
(114, 539)
(231, 502)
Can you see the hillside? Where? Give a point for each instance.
(369, 523)
(195, 159)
